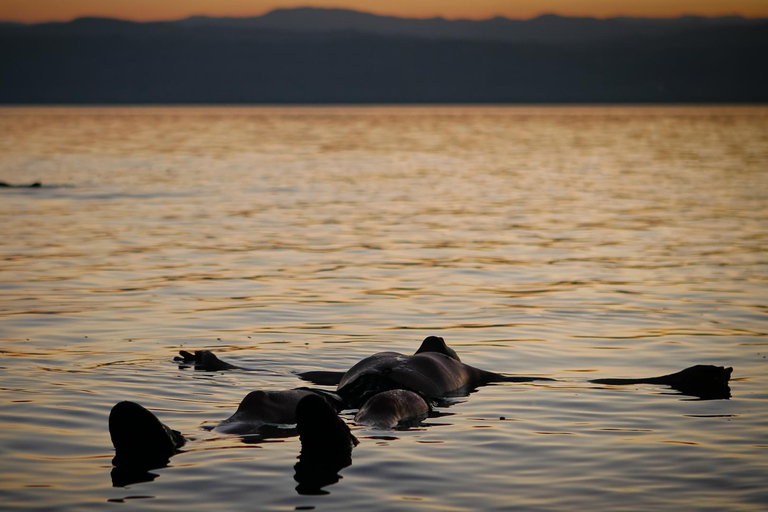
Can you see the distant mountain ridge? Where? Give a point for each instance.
(311, 55)
(548, 28)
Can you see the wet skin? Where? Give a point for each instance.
(142, 442)
(436, 371)
(433, 371)
(391, 390)
(259, 408)
(431, 374)
(393, 408)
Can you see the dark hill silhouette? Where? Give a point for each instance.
(548, 28)
(339, 56)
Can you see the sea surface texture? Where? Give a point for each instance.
(567, 242)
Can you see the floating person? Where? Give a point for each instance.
(436, 371)
(390, 390)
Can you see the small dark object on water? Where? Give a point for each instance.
(36, 184)
(204, 360)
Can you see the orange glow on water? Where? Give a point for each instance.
(46, 10)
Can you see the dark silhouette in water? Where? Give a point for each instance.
(393, 408)
(703, 381)
(140, 439)
(261, 409)
(204, 360)
(437, 344)
(141, 443)
(389, 388)
(36, 184)
(434, 371)
(123, 476)
(326, 445)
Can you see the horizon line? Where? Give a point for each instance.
(544, 14)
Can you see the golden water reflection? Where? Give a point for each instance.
(571, 242)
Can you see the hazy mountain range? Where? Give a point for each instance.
(312, 55)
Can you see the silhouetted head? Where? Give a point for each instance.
(326, 445)
(139, 438)
(322, 433)
(437, 344)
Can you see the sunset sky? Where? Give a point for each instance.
(48, 10)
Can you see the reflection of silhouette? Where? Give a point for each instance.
(312, 475)
(266, 433)
(326, 445)
(141, 443)
(703, 381)
(125, 476)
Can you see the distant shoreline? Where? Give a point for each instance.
(639, 105)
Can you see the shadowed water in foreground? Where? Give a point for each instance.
(572, 243)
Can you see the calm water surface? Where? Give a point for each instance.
(572, 243)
